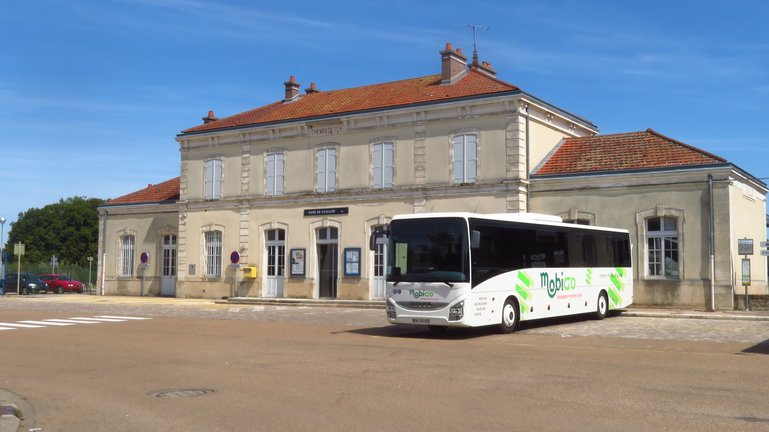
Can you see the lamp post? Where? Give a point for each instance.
(2, 256)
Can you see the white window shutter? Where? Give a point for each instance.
(208, 179)
(320, 171)
(280, 166)
(217, 178)
(377, 166)
(387, 165)
(471, 158)
(270, 174)
(459, 157)
(331, 166)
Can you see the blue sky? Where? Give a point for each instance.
(93, 92)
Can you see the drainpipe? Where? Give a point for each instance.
(528, 186)
(103, 253)
(712, 246)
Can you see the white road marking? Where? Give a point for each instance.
(98, 319)
(7, 328)
(46, 323)
(72, 321)
(20, 325)
(121, 317)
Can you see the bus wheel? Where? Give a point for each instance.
(602, 307)
(509, 316)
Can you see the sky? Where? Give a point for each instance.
(94, 92)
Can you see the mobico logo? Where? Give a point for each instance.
(556, 283)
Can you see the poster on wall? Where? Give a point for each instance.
(297, 262)
(352, 262)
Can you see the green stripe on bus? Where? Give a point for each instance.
(617, 282)
(523, 277)
(523, 292)
(589, 276)
(614, 296)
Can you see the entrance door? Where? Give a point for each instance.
(378, 284)
(276, 263)
(168, 274)
(327, 262)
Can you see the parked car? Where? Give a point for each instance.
(61, 283)
(27, 284)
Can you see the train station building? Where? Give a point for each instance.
(280, 201)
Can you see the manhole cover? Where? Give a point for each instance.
(180, 393)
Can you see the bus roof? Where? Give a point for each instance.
(526, 218)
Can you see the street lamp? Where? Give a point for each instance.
(2, 256)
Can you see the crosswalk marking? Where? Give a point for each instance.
(20, 325)
(73, 321)
(63, 322)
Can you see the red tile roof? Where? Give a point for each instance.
(161, 192)
(376, 96)
(622, 152)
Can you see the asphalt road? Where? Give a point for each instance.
(268, 368)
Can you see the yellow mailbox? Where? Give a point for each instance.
(249, 272)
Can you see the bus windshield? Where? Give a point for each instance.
(428, 250)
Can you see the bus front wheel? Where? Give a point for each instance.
(509, 316)
(602, 307)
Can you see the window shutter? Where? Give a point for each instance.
(271, 174)
(377, 166)
(459, 157)
(320, 171)
(280, 166)
(331, 167)
(471, 159)
(387, 165)
(217, 178)
(208, 179)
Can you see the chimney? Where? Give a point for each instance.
(453, 64)
(208, 119)
(485, 67)
(312, 89)
(292, 89)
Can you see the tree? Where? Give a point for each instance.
(68, 229)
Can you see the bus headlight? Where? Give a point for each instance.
(457, 311)
(390, 311)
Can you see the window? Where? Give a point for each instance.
(213, 179)
(326, 170)
(662, 246)
(127, 243)
(214, 253)
(275, 168)
(382, 162)
(276, 252)
(465, 158)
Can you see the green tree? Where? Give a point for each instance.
(68, 229)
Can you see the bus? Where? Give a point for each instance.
(468, 270)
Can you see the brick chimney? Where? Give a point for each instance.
(292, 89)
(453, 64)
(485, 67)
(311, 89)
(210, 117)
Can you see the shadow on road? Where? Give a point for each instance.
(760, 348)
(423, 332)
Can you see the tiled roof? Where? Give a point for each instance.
(622, 152)
(371, 97)
(161, 192)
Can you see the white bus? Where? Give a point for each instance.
(468, 270)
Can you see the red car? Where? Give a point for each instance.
(60, 283)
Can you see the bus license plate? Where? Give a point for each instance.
(420, 320)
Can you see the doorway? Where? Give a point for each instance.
(378, 283)
(276, 262)
(328, 240)
(168, 272)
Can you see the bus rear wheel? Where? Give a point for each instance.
(602, 306)
(509, 316)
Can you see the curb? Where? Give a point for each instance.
(723, 316)
(357, 304)
(9, 422)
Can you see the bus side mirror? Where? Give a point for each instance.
(475, 239)
(377, 237)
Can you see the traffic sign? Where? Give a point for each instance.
(764, 252)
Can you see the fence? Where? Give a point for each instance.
(74, 271)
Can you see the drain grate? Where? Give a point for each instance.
(180, 393)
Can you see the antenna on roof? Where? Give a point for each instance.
(475, 44)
